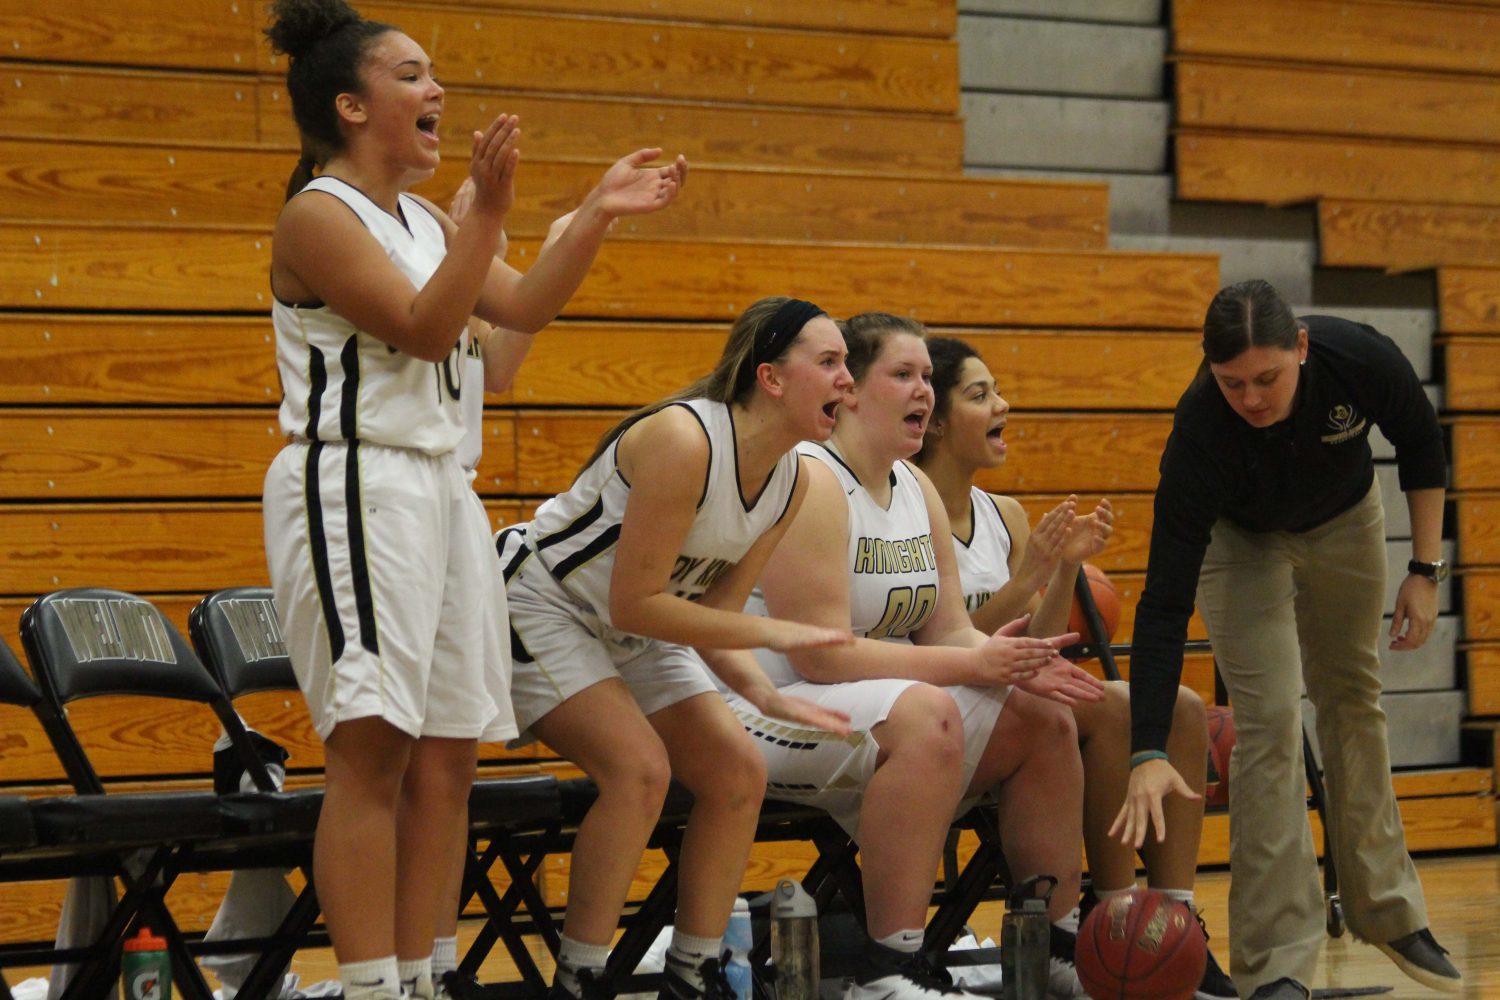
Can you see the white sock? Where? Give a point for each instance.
(444, 956)
(361, 979)
(1103, 894)
(1181, 895)
(908, 941)
(574, 955)
(416, 976)
(1068, 923)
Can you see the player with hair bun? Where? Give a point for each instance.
(376, 550)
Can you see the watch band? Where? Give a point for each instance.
(1437, 572)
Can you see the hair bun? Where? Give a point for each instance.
(298, 25)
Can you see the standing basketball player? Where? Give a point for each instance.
(376, 556)
(1269, 507)
(1001, 564)
(653, 551)
(871, 550)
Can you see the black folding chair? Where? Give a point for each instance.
(84, 643)
(516, 819)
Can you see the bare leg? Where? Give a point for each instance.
(715, 759)
(431, 839)
(1173, 863)
(628, 763)
(1104, 743)
(354, 853)
(908, 807)
(1033, 767)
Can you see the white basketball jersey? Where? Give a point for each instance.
(574, 533)
(893, 574)
(340, 383)
(471, 405)
(984, 561)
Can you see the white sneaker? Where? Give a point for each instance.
(1062, 974)
(887, 974)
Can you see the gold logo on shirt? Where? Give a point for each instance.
(1346, 424)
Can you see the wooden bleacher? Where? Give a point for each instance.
(143, 149)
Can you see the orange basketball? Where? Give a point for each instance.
(1105, 597)
(1141, 945)
(1221, 738)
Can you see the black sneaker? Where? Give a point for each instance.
(715, 982)
(1215, 984)
(1281, 989)
(458, 985)
(887, 974)
(1062, 970)
(590, 987)
(1424, 960)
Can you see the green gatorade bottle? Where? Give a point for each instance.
(146, 968)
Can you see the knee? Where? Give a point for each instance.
(925, 723)
(639, 776)
(734, 778)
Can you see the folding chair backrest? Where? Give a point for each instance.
(86, 642)
(237, 634)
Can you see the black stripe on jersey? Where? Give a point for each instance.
(708, 473)
(1010, 540)
(317, 384)
(359, 564)
(514, 566)
(518, 651)
(318, 541)
(796, 474)
(349, 402)
(603, 543)
(585, 519)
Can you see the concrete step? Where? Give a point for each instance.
(1060, 57)
(1065, 133)
(1411, 329)
(1422, 726)
(1431, 668)
(1137, 202)
(1111, 11)
(1285, 263)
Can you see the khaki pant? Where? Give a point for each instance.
(1285, 609)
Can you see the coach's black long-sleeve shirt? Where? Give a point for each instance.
(1291, 476)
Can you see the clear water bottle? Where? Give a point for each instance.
(794, 941)
(1025, 933)
(737, 942)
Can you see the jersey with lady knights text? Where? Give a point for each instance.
(893, 575)
(574, 533)
(339, 383)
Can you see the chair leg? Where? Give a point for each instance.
(265, 975)
(499, 924)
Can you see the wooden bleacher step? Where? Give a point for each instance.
(95, 182)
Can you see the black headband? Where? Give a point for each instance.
(774, 337)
